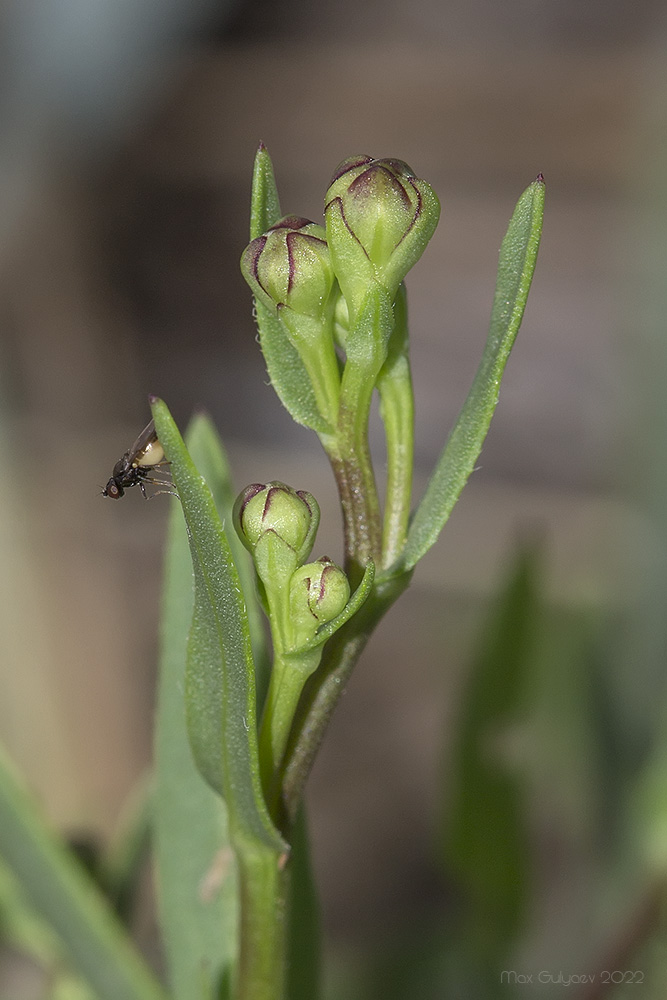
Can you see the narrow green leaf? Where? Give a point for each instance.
(287, 371)
(220, 682)
(518, 255)
(209, 456)
(485, 829)
(21, 928)
(58, 890)
(326, 631)
(68, 987)
(264, 202)
(196, 877)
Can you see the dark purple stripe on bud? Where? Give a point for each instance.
(417, 212)
(292, 222)
(270, 496)
(329, 570)
(339, 201)
(366, 183)
(351, 163)
(306, 497)
(255, 250)
(397, 167)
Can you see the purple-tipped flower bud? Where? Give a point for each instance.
(318, 592)
(275, 508)
(379, 218)
(290, 265)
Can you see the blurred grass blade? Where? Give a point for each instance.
(484, 838)
(264, 202)
(287, 372)
(59, 891)
(196, 879)
(518, 255)
(122, 864)
(68, 987)
(304, 934)
(220, 683)
(21, 928)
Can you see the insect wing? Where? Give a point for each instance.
(146, 450)
(143, 442)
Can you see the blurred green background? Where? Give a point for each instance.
(128, 139)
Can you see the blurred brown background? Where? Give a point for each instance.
(128, 139)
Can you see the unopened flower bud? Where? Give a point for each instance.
(292, 515)
(379, 218)
(290, 265)
(341, 326)
(318, 592)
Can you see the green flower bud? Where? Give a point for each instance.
(341, 320)
(318, 592)
(290, 265)
(379, 218)
(291, 515)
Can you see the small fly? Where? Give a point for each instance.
(137, 466)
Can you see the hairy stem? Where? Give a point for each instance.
(325, 687)
(353, 471)
(397, 411)
(264, 884)
(287, 680)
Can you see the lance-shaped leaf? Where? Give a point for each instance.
(220, 683)
(195, 871)
(287, 372)
(518, 255)
(264, 202)
(209, 456)
(484, 837)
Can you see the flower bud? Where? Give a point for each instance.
(290, 265)
(379, 218)
(318, 592)
(341, 316)
(291, 515)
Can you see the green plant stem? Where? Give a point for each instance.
(61, 892)
(353, 471)
(397, 410)
(325, 687)
(288, 677)
(264, 880)
(322, 366)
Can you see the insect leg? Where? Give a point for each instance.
(157, 482)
